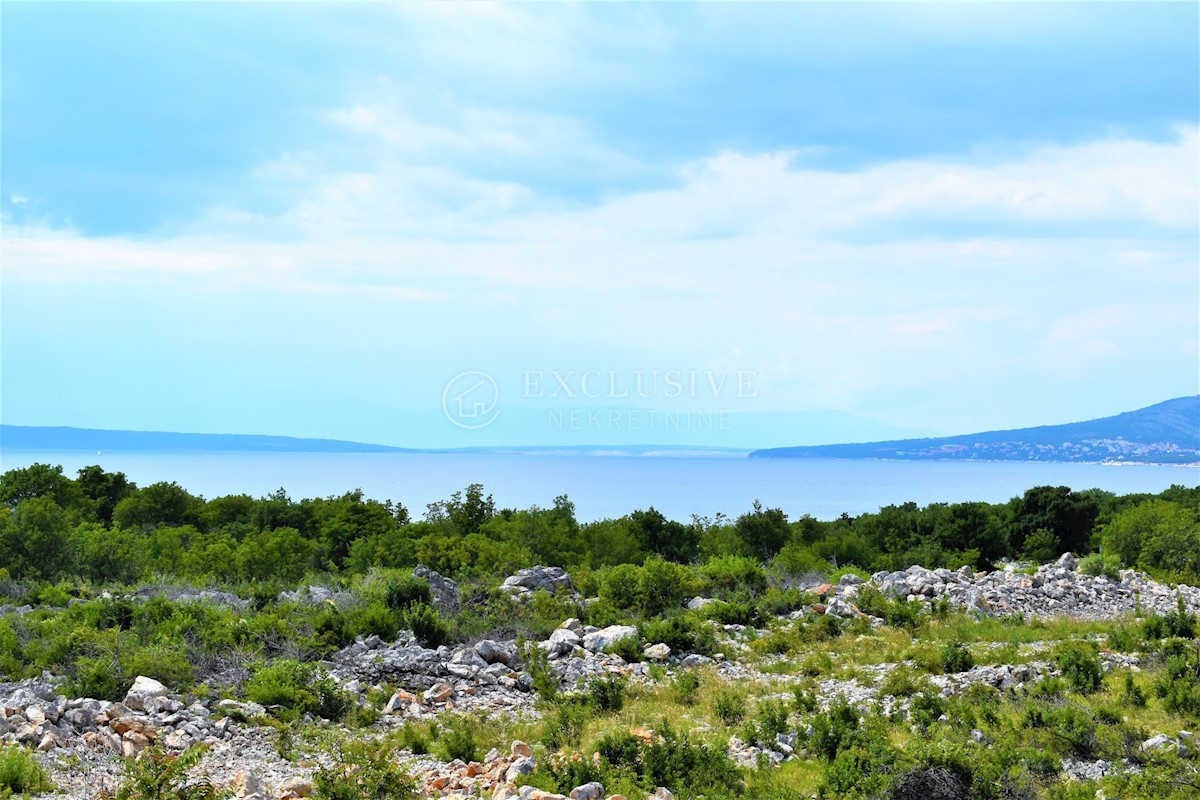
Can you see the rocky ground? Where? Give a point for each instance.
(83, 741)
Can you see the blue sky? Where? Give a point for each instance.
(307, 219)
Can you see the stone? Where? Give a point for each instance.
(497, 652)
(521, 750)
(697, 603)
(657, 652)
(588, 791)
(549, 579)
(292, 788)
(446, 595)
(607, 637)
(562, 642)
(1158, 742)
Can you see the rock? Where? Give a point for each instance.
(293, 788)
(606, 637)
(1158, 742)
(248, 785)
(588, 791)
(439, 693)
(549, 579)
(447, 597)
(697, 603)
(142, 689)
(657, 652)
(521, 750)
(468, 657)
(497, 652)
(562, 641)
(1066, 561)
(573, 624)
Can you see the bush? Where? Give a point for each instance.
(20, 772)
(1080, 667)
(364, 771)
(686, 685)
(926, 708)
(956, 658)
(835, 730)
(903, 681)
(607, 694)
(427, 626)
(1097, 564)
(457, 741)
(729, 707)
(407, 591)
(565, 727)
(291, 689)
(156, 775)
(621, 586)
(629, 649)
(734, 574)
(690, 767)
(683, 633)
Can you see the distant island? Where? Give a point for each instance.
(65, 439)
(1165, 433)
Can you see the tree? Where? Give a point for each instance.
(765, 531)
(1068, 515)
(34, 542)
(104, 489)
(656, 534)
(38, 480)
(159, 503)
(1126, 535)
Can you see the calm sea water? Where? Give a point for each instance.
(610, 486)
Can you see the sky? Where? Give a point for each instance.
(454, 224)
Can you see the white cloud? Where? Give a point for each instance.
(914, 276)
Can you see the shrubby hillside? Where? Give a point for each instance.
(341, 648)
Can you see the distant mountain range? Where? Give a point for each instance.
(1165, 433)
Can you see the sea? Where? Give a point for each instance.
(611, 486)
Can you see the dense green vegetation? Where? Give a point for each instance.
(112, 571)
(101, 528)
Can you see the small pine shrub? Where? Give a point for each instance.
(1098, 564)
(607, 694)
(364, 771)
(956, 658)
(1080, 667)
(407, 591)
(1132, 694)
(685, 686)
(291, 689)
(457, 741)
(926, 708)
(426, 625)
(156, 775)
(21, 773)
(628, 648)
(834, 730)
(565, 727)
(729, 707)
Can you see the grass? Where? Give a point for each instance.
(21, 773)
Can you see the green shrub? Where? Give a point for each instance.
(564, 728)
(621, 586)
(734, 574)
(903, 681)
(413, 738)
(835, 730)
(685, 686)
(691, 767)
(956, 658)
(1080, 666)
(1132, 694)
(364, 770)
(404, 592)
(926, 708)
(427, 626)
(607, 694)
(1098, 564)
(156, 775)
(537, 663)
(904, 613)
(457, 741)
(20, 772)
(729, 707)
(629, 649)
(291, 689)
(683, 633)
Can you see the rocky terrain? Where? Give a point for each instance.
(83, 741)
